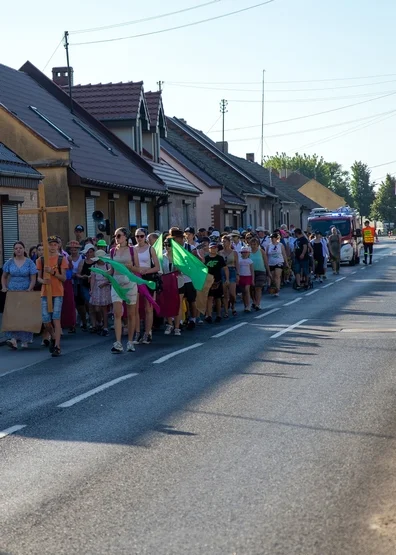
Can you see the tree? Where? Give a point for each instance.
(329, 174)
(384, 205)
(362, 191)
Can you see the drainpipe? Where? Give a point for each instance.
(161, 201)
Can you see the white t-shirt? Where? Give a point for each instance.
(244, 267)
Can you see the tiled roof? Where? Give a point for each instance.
(110, 101)
(95, 153)
(229, 198)
(10, 163)
(153, 100)
(173, 179)
(297, 179)
(207, 155)
(285, 191)
(190, 166)
(236, 184)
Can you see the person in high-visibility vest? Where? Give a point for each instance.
(369, 235)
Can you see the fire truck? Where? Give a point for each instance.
(346, 221)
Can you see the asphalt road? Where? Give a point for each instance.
(276, 437)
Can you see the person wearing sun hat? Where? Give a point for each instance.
(101, 244)
(236, 240)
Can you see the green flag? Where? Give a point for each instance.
(121, 292)
(189, 265)
(159, 250)
(121, 269)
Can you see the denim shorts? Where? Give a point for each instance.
(57, 309)
(301, 267)
(231, 273)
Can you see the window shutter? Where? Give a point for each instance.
(90, 209)
(9, 216)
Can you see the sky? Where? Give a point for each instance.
(318, 56)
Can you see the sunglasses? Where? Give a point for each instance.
(140, 236)
(119, 235)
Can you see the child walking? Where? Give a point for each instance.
(246, 277)
(100, 289)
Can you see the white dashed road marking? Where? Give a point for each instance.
(175, 353)
(290, 328)
(266, 313)
(312, 292)
(340, 279)
(12, 430)
(328, 285)
(98, 389)
(292, 302)
(228, 330)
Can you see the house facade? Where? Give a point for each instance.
(18, 188)
(243, 201)
(137, 118)
(84, 165)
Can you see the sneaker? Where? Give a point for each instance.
(146, 339)
(247, 310)
(105, 332)
(218, 319)
(45, 343)
(177, 331)
(56, 352)
(117, 348)
(191, 325)
(199, 322)
(168, 329)
(136, 338)
(208, 319)
(257, 307)
(130, 347)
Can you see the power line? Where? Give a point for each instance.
(218, 119)
(383, 176)
(174, 84)
(53, 54)
(311, 129)
(298, 100)
(143, 20)
(280, 82)
(384, 164)
(178, 26)
(339, 135)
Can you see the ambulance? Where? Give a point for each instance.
(346, 220)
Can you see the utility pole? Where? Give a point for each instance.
(262, 119)
(68, 69)
(160, 83)
(223, 110)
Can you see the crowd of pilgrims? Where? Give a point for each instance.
(244, 265)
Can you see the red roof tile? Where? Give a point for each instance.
(153, 100)
(110, 100)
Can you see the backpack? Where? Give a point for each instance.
(60, 260)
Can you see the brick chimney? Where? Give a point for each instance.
(222, 146)
(250, 156)
(60, 76)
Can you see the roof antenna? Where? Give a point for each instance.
(68, 69)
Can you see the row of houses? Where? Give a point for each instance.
(110, 147)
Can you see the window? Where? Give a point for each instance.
(51, 124)
(143, 214)
(132, 214)
(89, 210)
(9, 216)
(228, 219)
(255, 219)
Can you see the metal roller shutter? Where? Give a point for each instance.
(9, 218)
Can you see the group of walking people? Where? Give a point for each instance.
(98, 287)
